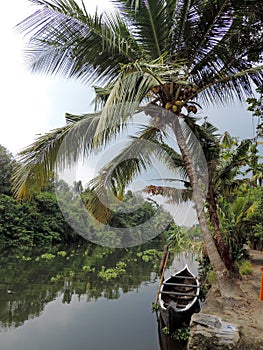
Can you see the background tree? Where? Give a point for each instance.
(255, 163)
(241, 219)
(7, 164)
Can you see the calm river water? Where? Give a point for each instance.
(82, 298)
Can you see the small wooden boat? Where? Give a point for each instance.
(179, 298)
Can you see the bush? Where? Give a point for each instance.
(245, 267)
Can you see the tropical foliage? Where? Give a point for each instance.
(35, 223)
(7, 164)
(241, 219)
(40, 221)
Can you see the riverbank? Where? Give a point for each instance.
(245, 312)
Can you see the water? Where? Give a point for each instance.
(66, 301)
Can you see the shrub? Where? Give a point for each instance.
(245, 267)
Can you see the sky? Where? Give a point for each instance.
(34, 104)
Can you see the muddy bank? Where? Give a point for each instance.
(246, 312)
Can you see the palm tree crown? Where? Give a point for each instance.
(176, 54)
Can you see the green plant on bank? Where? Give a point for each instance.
(166, 330)
(245, 267)
(181, 333)
(180, 238)
(241, 218)
(211, 278)
(205, 276)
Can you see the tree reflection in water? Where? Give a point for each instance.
(28, 283)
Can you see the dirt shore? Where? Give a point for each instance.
(246, 311)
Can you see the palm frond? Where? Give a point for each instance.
(174, 195)
(228, 187)
(182, 20)
(227, 140)
(66, 40)
(222, 74)
(227, 86)
(128, 92)
(215, 20)
(54, 151)
(154, 22)
(227, 170)
(136, 157)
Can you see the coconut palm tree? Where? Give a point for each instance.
(223, 166)
(172, 55)
(224, 157)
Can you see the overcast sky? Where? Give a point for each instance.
(32, 104)
(35, 104)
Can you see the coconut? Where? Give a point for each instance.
(168, 105)
(174, 108)
(179, 103)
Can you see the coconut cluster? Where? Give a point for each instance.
(174, 97)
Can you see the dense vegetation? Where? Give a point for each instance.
(40, 222)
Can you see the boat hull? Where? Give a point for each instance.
(174, 319)
(179, 299)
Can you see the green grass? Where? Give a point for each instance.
(245, 267)
(211, 277)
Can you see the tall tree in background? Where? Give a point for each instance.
(255, 160)
(171, 55)
(7, 164)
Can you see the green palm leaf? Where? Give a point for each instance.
(53, 151)
(228, 169)
(66, 40)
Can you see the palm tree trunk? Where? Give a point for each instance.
(222, 275)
